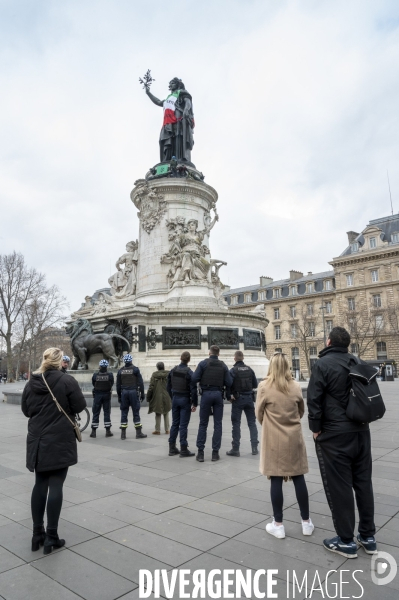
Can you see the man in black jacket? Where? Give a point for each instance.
(242, 399)
(184, 395)
(213, 376)
(343, 448)
(102, 387)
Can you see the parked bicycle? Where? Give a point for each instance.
(83, 419)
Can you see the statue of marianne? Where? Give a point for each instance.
(176, 138)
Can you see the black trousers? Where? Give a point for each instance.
(101, 399)
(277, 498)
(51, 483)
(346, 467)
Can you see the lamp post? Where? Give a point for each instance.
(323, 307)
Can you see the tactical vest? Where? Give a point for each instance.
(180, 383)
(128, 378)
(214, 373)
(102, 383)
(242, 380)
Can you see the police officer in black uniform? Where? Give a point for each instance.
(102, 386)
(212, 375)
(129, 384)
(184, 395)
(65, 363)
(242, 399)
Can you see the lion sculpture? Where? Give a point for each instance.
(85, 343)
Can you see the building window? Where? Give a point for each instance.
(293, 312)
(379, 322)
(234, 299)
(313, 351)
(377, 301)
(381, 351)
(276, 313)
(277, 332)
(349, 279)
(395, 238)
(328, 307)
(293, 330)
(352, 325)
(309, 288)
(278, 350)
(312, 329)
(354, 247)
(248, 298)
(329, 325)
(351, 304)
(373, 242)
(374, 275)
(262, 295)
(309, 309)
(277, 293)
(327, 284)
(355, 349)
(294, 291)
(295, 360)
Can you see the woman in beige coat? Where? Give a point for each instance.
(279, 409)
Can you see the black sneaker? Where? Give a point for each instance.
(255, 450)
(368, 544)
(215, 455)
(337, 545)
(200, 456)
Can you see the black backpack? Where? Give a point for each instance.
(365, 401)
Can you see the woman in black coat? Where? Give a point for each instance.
(51, 443)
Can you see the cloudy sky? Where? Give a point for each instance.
(296, 109)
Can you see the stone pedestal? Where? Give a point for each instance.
(177, 304)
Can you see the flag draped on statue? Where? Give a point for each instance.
(169, 115)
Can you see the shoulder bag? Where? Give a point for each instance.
(73, 423)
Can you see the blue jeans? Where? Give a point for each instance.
(181, 415)
(130, 398)
(210, 400)
(246, 404)
(101, 399)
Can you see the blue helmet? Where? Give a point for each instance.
(127, 358)
(103, 363)
(66, 358)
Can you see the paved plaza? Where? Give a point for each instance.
(128, 506)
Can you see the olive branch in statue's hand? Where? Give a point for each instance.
(147, 80)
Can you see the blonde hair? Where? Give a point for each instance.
(279, 372)
(52, 358)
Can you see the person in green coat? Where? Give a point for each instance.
(158, 398)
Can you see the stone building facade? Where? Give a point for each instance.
(360, 293)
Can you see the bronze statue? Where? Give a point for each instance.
(176, 139)
(85, 343)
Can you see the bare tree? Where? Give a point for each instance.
(305, 329)
(27, 306)
(366, 327)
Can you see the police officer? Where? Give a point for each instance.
(102, 386)
(212, 375)
(184, 401)
(242, 399)
(129, 384)
(65, 363)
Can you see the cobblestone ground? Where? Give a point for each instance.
(128, 506)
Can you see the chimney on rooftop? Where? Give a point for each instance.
(265, 281)
(295, 275)
(352, 235)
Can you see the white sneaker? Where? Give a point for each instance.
(307, 527)
(277, 530)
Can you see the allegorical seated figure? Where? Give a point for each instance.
(176, 137)
(123, 282)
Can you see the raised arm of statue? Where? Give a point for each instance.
(211, 224)
(153, 98)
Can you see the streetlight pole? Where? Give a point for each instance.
(323, 307)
